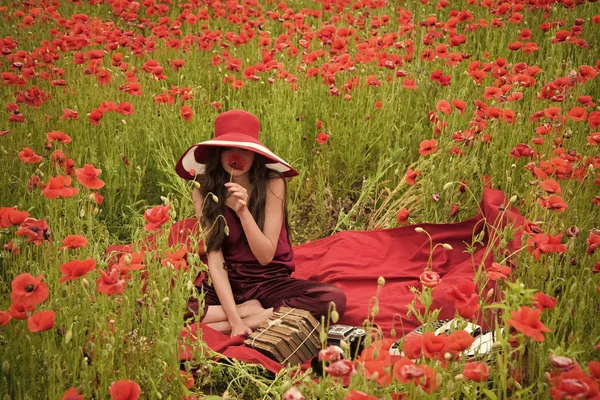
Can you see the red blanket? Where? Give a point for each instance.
(354, 260)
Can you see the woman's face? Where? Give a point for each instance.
(237, 160)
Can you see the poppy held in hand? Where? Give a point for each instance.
(236, 161)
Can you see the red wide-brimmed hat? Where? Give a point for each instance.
(235, 128)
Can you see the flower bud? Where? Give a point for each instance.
(447, 246)
(393, 332)
(375, 310)
(381, 281)
(335, 316)
(196, 184)
(85, 283)
(513, 199)
(82, 213)
(448, 185)
(127, 259)
(418, 229)
(5, 366)
(459, 377)
(490, 293)
(68, 336)
(165, 300)
(92, 197)
(165, 200)
(323, 337)
(226, 230)
(215, 198)
(447, 356)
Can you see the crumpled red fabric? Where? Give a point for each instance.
(354, 260)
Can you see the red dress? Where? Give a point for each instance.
(271, 284)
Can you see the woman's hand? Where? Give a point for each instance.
(240, 328)
(238, 197)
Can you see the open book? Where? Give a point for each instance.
(483, 344)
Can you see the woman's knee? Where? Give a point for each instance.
(336, 296)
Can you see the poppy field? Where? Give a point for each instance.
(393, 112)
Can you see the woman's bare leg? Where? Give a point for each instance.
(252, 321)
(217, 314)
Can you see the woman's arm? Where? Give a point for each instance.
(264, 244)
(220, 281)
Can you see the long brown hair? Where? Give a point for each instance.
(213, 181)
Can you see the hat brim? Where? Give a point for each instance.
(193, 161)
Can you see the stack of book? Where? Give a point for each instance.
(290, 336)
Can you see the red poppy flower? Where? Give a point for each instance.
(10, 216)
(95, 116)
(69, 114)
(594, 119)
(460, 105)
(341, 368)
(410, 176)
(434, 347)
(111, 284)
(428, 147)
(42, 321)
(358, 395)
(573, 385)
(125, 108)
(59, 186)
(28, 291)
(322, 138)
(377, 360)
(464, 297)
(594, 139)
(76, 269)
(156, 217)
(409, 84)
(74, 242)
(175, 259)
(131, 262)
(476, 371)
(88, 177)
(577, 113)
(593, 241)
(72, 394)
(5, 318)
(402, 216)
(526, 320)
(443, 106)
(454, 209)
(550, 186)
(498, 272)
(35, 230)
(176, 64)
(542, 301)
(555, 203)
(20, 311)
(430, 279)
(125, 390)
(28, 156)
(62, 137)
(186, 113)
